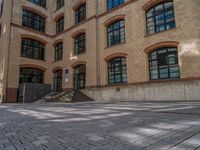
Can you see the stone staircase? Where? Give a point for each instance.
(64, 97)
(80, 97)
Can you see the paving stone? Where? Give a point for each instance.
(100, 126)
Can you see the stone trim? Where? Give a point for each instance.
(113, 19)
(58, 17)
(115, 55)
(160, 45)
(152, 3)
(78, 4)
(57, 42)
(34, 38)
(56, 69)
(34, 11)
(32, 66)
(75, 34)
(74, 65)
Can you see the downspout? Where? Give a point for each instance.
(98, 78)
(9, 47)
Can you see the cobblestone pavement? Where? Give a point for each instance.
(100, 126)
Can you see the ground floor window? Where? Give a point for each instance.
(163, 64)
(31, 75)
(117, 71)
(79, 77)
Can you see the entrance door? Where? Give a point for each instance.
(58, 81)
(79, 77)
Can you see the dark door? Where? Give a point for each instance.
(58, 81)
(79, 77)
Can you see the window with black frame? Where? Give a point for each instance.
(60, 25)
(79, 44)
(117, 71)
(163, 64)
(80, 14)
(59, 4)
(160, 17)
(1, 7)
(116, 33)
(31, 75)
(113, 3)
(59, 51)
(41, 3)
(33, 21)
(32, 49)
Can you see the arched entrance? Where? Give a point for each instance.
(57, 80)
(79, 77)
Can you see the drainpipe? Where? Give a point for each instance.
(9, 47)
(98, 78)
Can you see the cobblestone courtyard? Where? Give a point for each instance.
(100, 126)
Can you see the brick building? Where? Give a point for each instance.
(108, 49)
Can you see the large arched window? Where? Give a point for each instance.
(116, 33)
(160, 17)
(114, 3)
(31, 75)
(117, 71)
(33, 21)
(80, 14)
(163, 64)
(32, 49)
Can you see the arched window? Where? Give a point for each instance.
(79, 44)
(79, 77)
(41, 3)
(33, 21)
(160, 17)
(116, 33)
(31, 75)
(80, 14)
(163, 64)
(117, 71)
(60, 25)
(32, 49)
(114, 3)
(59, 51)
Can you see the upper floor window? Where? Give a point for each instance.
(1, 7)
(59, 51)
(114, 3)
(160, 17)
(116, 33)
(32, 49)
(31, 75)
(79, 44)
(117, 71)
(80, 14)
(163, 64)
(59, 4)
(33, 21)
(60, 25)
(41, 3)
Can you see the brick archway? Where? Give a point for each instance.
(160, 45)
(34, 38)
(34, 11)
(78, 32)
(115, 55)
(152, 3)
(32, 66)
(74, 65)
(113, 19)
